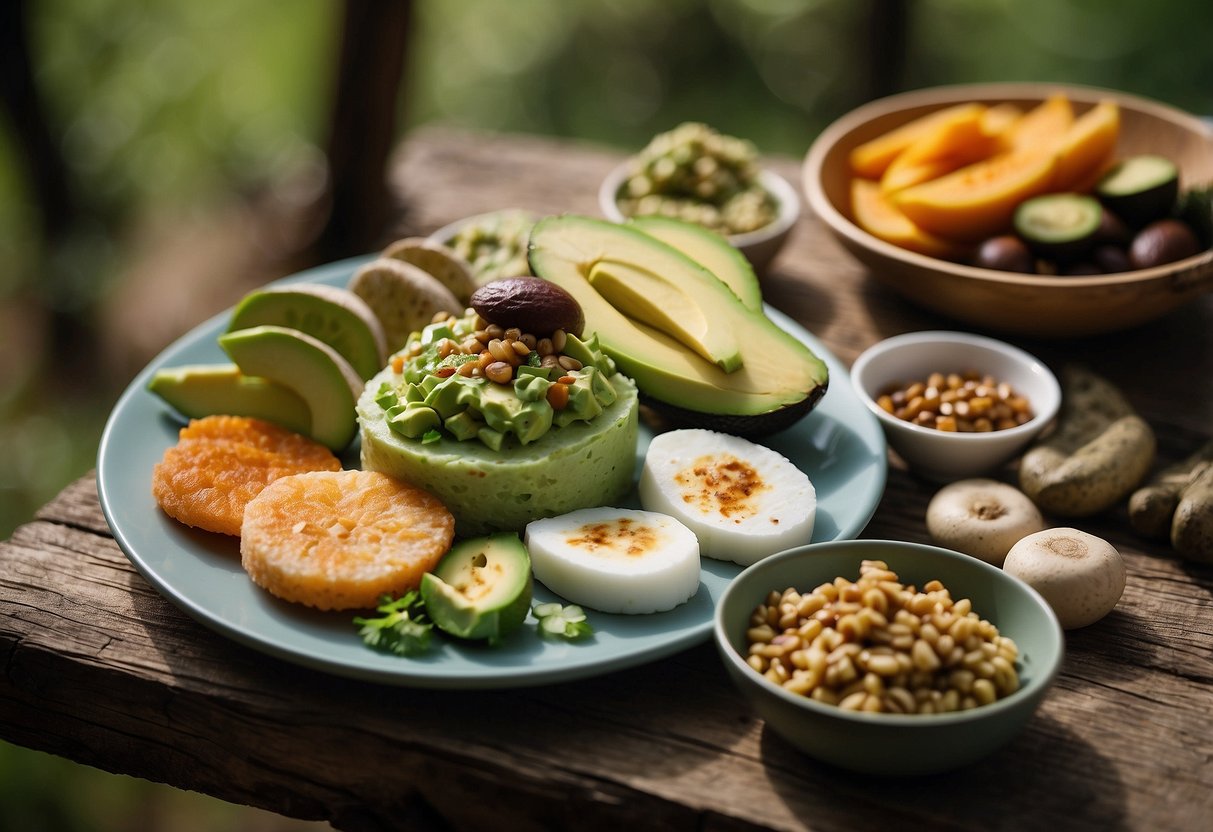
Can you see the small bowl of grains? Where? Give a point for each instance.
(955, 405)
(696, 174)
(886, 657)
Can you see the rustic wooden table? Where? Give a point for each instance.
(101, 669)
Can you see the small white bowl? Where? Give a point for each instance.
(944, 455)
(759, 246)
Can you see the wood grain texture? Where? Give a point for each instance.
(99, 668)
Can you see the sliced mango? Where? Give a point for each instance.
(956, 140)
(1087, 147)
(876, 214)
(978, 200)
(1042, 126)
(871, 158)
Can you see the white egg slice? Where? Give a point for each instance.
(742, 500)
(615, 560)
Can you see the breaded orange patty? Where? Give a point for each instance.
(341, 540)
(221, 462)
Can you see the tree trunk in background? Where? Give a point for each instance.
(888, 24)
(362, 130)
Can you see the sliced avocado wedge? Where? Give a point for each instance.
(198, 390)
(672, 307)
(330, 314)
(710, 250)
(780, 379)
(310, 368)
(481, 589)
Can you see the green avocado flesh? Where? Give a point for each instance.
(668, 306)
(481, 589)
(582, 464)
(710, 250)
(310, 368)
(777, 371)
(198, 390)
(330, 314)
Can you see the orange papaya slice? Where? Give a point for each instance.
(870, 159)
(958, 139)
(978, 200)
(1042, 126)
(877, 215)
(1087, 147)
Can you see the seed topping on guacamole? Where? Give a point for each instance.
(466, 379)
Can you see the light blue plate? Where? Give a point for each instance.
(839, 445)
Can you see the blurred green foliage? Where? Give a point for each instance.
(162, 104)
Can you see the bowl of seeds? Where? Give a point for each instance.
(696, 174)
(887, 657)
(952, 404)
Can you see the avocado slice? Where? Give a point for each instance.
(780, 379)
(710, 250)
(310, 368)
(331, 314)
(674, 307)
(198, 390)
(1062, 227)
(481, 589)
(1140, 189)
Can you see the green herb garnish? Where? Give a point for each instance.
(431, 436)
(403, 628)
(561, 621)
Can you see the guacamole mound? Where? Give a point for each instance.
(499, 455)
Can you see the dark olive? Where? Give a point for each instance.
(1006, 253)
(530, 303)
(1112, 229)
(1111, 259)
(1161, 242)
(1080, 269)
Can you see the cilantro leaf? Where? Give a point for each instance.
(403, 629)
(560, 621)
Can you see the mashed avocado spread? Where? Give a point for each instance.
(429, 398)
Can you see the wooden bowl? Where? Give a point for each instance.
(1033, 305)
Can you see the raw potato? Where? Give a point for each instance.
(982, 518)
(1152, 507)
(1100, 450)
(437, 260)
(1192, 528)
(403, 297)
(1080, 575)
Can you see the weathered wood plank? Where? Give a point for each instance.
(99, 668)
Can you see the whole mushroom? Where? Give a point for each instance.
(1081, 576)
(981, 517)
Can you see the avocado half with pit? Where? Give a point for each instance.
(777, 379)
(481, 589)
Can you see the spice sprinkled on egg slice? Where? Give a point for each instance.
(615, 560)
(742, 500)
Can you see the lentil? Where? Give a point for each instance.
(879, 646)
(958, 402)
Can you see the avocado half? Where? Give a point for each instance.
(779, 379)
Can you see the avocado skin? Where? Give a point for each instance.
(780, 379)
(456, 615)
(748, 427)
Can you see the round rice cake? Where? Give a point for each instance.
(221, 462)
(342, 540)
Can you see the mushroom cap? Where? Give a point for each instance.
(981, 517)
(1080, 575)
